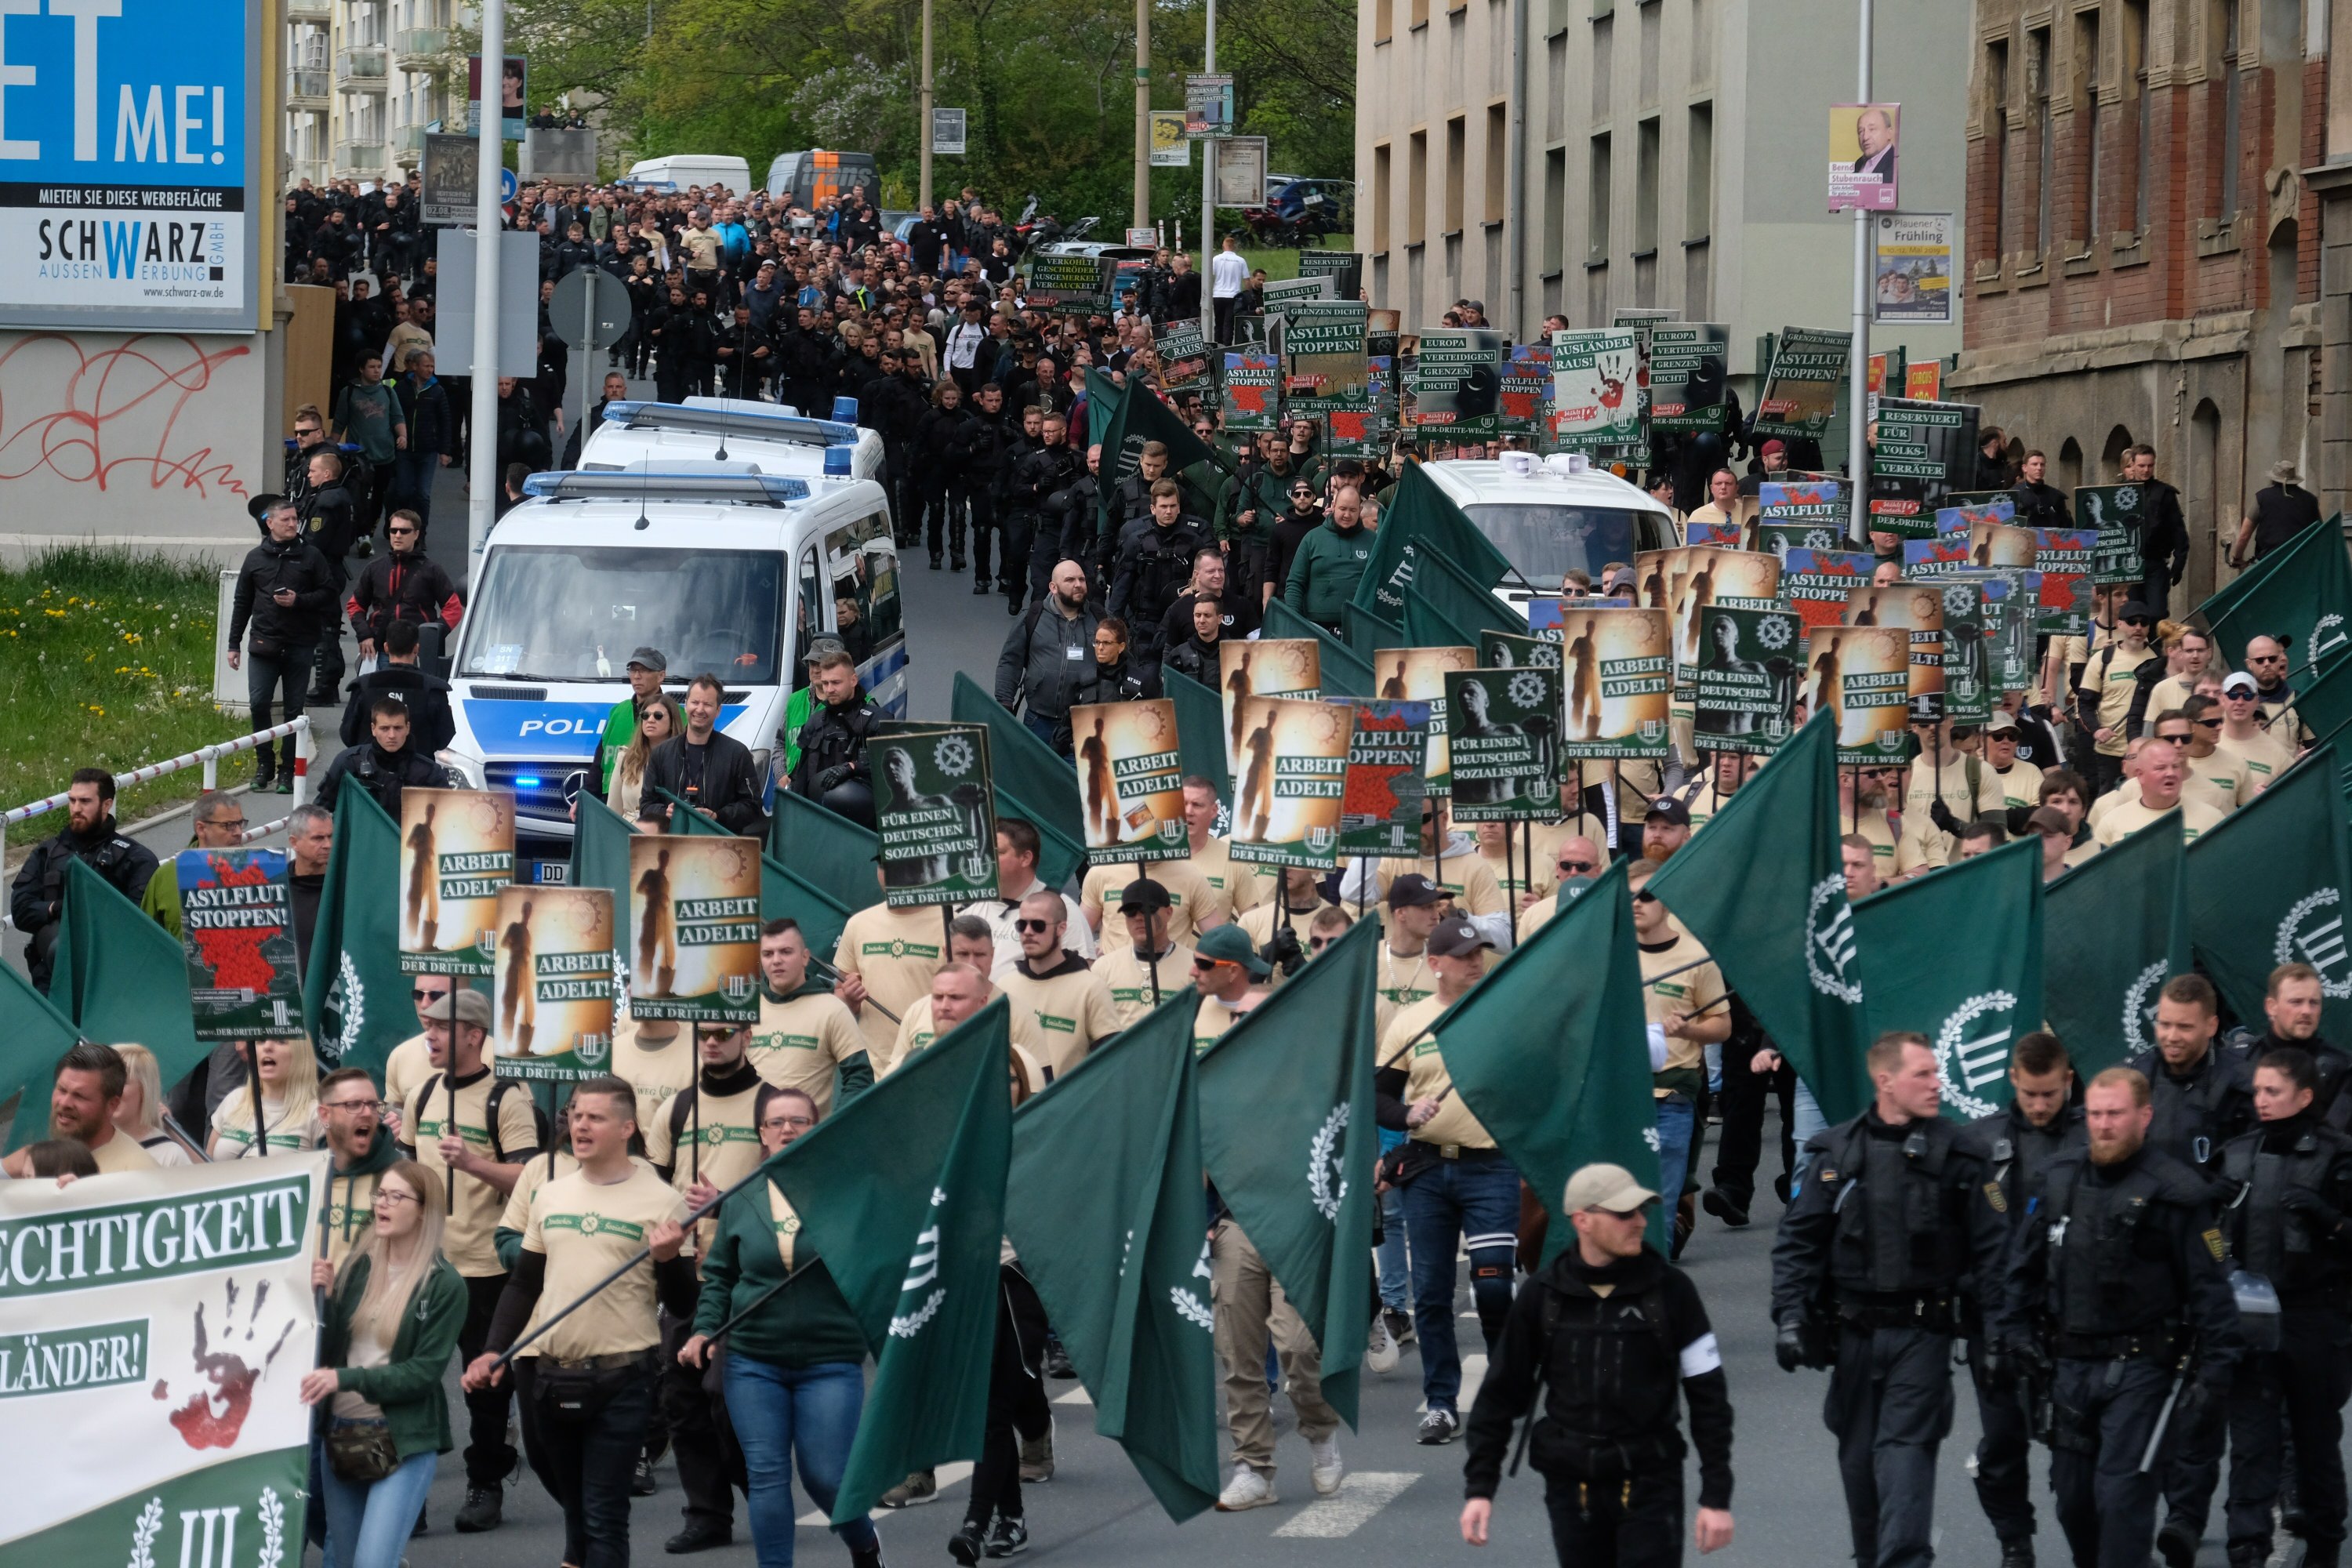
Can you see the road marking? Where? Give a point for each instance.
(1474, 1372)
(948, 1473)
(1362, 1494)
(1076, 1397)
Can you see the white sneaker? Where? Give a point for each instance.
(1328, 1469)
(1380, 1348)
(1247, 1490)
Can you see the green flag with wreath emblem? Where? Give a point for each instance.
(2266, 888)
(2114, 930)
(355, 1000)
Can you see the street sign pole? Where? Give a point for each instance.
(923, 197)
(1208, 194)
(482, 463)
(1858, 369)
(588, 354)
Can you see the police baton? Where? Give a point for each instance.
(2164, 1415)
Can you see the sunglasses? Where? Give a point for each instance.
(1577, 867)
(421, 995)
(2266, 659)
(306, 429)
(2207, 723)
(1645, 897)
(1033, 925)
(1318, 943)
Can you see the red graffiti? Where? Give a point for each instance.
(108, 417)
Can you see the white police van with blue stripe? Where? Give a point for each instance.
(722, 569)
(770, 437)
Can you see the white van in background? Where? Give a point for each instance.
(680, 170)
(1552, 516)
(805, 179)
(769, 436)
(722, 570)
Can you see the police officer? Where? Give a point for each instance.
(1867, 1274)
(2115, 1283)
(37, 899)
(2202, 1096)
(832, 767)
(1608, 1446)
(1038, 476)
(2290, 1184)
(2013, 1145)
(1155, 561)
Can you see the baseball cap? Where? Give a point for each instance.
(1667, 810)
(473, 1008)
(825, 648)
(1228, 943)
(1413, 890)
(651, 658)
(2241, 681)
(2003, 723)
(1604, 1186)
(1771, 447)
(1456, 938)
(2134, 610)
(1143, 893)
(2049, 819)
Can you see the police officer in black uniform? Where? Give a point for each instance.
(1868, 1272)
(37, 899)
(2290, 1185)
(2014, 1145)
(1038, 476)
(832, 771)
(2115, 1283)
(2203, 1097)
(1609, 1331)
(2292, 999)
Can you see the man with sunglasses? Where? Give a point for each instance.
(402, 585)
(2220, 779)
(1053, 985)
(1684, 998)
(2244, 735)
(1231, 978)
(1152, 964)
(216, 822)
(2266, 661)
(1609, 1449)
(410, 1062)
(1578, 863)
(2110, 681)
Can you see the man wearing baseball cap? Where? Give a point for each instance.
(1460, 1193)
(1152, 966)
(1415, 906)
(646, 669)
(1231, 978)
(2103, 699)
(1610, 1451)
(2243, 733)
(1665, 827)
(1467, 878)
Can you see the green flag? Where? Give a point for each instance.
(1418, 521)
(1199, 730)
(1140, 418)
(826, 849)
(2305, 601)
(2226, 598)
(1956, 956)
(1103, 396)
(1550, 1052)
(1367, 632)
(2266, 888)
(599, 849)
(2326, 705)
(1123, 1123)
(2114, 930)
(1462, 599)
(33, 1035)
(1289, 1091)
(1033, 781)
(1763, 889)
(902, 1192)
(356, 1003)
(1426, 625)
(1346, 673)
(115, 974)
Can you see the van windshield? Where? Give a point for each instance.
(1546, 543)
(558, 612)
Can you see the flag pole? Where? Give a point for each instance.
(449, 1078)
(253, 1077)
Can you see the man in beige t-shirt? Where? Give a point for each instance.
(83, 1099)
(655, 1057)
(2161, 769)
(1137, 987)
(1466, 878)
(1416, 905)
(1231, 978)
(1192, 904)
(1067, 1001)
(2219, 779)
(803, 1040)
(886, 958)
(1240, 886)
(1298, 906)
(1681, 995)
(2244, 736)
(959, 991)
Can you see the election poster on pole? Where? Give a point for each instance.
(236, 927)
(936, 814)
(1745, 683)
(1292, 782)
(552, 993)
(457, 855)
(1504, 734)
(154, 1382)
(1617, 674)
(694, 910)
(1380, 812)
(1130, 780)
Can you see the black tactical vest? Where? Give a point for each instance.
(2109, 1269)
(1900, 1221)
(2265, 1237)
(2191, 1118)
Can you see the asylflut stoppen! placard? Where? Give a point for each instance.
(237, 929)
(552, 995)
(694, 912)
(1380, 812)
(457, 855)
(1801, 388)
(154, 1329)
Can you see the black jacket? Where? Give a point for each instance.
(2163, 531)
(432, 429)
(721, 781)
(2040, 506)
(330, 521)
(1195, 658)
(394, 587)
(302, 898)
(37, 895)
(430, 727)
(833, 738)
(1153, 563)
(269, 566)
(381, 774)
(1610, 1349)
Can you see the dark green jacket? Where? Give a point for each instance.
(409, 1387)
(1325, 572)
(807, 1324)
(350, 1217)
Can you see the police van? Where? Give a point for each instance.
(766, 437)
(1553, 516)
(723, 570)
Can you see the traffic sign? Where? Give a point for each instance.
(585, 315)
(505, 185)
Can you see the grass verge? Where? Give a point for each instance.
(109, 658)
(1282, 261)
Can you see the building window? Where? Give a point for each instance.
(1498, 159)
(1597, 201)
(1416, 191)
(1384, 20)
(2143, 111)
(1457, 152)
(2086, 116)
(1555, 210)
(2225, 64)
(1652, 26)
(1702, 44)
(1699, 180)
(1646, 186)
(2037, 65)
(1381, 155)
(1604, 53)
(1996, 113)
(1421, 13)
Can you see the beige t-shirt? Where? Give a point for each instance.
(1245, 886)
(410, 1064)
(1072, 1010)
(1210, 1022)
(1465, 876)
(122, 1152)
(2196, 818)
(2115, 680)
(470, 1239)
(897, 952)
(2169, 694)
(1510, 871)
(1402, 980)
(917, 1034)
(586, 1230)
(351, 1211)
(2020, 785)
(1258, 925)
(1550, 836)
(1130, 980)
(656, 1070)
(2124, 793)
(800, 1043)
(2265, 756)
(2220, 779)
(233, 1129)
(515, 1216)
(727, 1128)
(1191, 901)
(1685, 992)
(1407, 1043)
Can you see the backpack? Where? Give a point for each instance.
(1652, 1304)
(499, 1088)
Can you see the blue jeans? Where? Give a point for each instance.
(1809, 1120)
(368, 1522)
(776, 1410)
(1396, 1284)
(1675, 1116)
(1471, 1201)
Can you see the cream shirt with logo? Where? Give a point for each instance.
(470, 1239)
(917, 1034)
(2265, 756)
(1663, 992)
(2220, 780)
(896, 952)
(1072, 1010)
(1191, 901)
(723, 1127)
(586, 1230)
(409, 1064)
(2116, 679)
(1129, 979)
(1245, 886)
(801, 1043)
(1402, 980)
(655, 1071)
(2196, 818)
(1212, 1021)
(1407, 1043)
(2021, 785)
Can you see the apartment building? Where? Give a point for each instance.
(364, 79)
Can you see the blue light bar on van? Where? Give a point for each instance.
(844, 410)
(756, 489)
(838, 462)
(781, 426)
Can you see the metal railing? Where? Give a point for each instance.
(307, 87)
(360, 68)
(419, 48)
(359, 157)
(207, 757)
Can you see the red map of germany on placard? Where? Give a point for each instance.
(1370, 792)
(234, 954)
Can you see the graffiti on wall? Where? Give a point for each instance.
(131, 416)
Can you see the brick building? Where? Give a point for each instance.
(2145, 190)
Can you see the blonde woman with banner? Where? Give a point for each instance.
(390, 1324)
